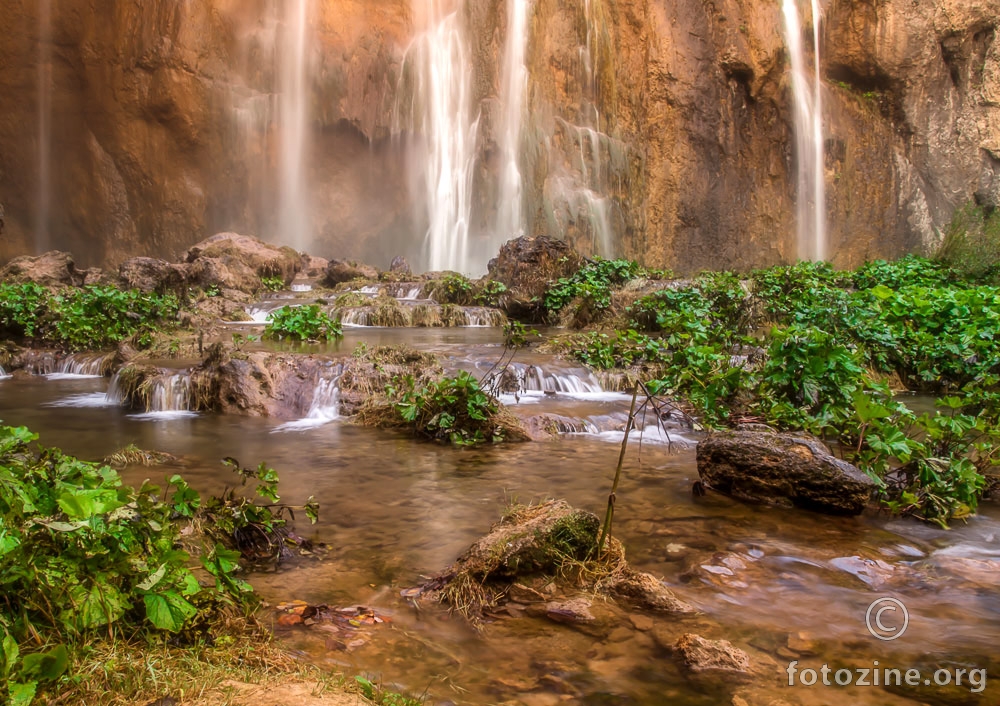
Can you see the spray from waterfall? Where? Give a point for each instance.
(435, 106)
(808, 98)
(293, 123)
(44, 204)
(513, 93)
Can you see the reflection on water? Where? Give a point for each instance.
(785, 585)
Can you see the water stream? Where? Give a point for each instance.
(786, 585)
(807, 94)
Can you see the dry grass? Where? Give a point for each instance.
(132, 455)
(127, 671)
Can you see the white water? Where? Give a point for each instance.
(293, 123)
(3, 373)
(42, 218)
(808, 98)
(325, 406)
(84, 400)
(76, 366)
(513, 94)
(436, 107)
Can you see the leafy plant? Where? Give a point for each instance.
(88, 318)
(80, 553)
(452, 409)
(272, 284)
(515, 335)
(491, 293)
(593, 282)
(303, 323)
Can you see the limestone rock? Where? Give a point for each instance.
(264, 259)
(527, 265)
(340, 271)
(646, 591)
(783, 470)
(314, 267)
(400, 265)
(151, 275)
(715, 659)
(49, 269)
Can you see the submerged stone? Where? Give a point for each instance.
(783, 470)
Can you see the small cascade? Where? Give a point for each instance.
(406, 291)
(513, 94)
(72, 367)
(434, 106)
(325, 405)
(44, 204)
(481, 317)
(293, 124)
(3, 373)
(520, 379)
(169, 397)
(807, 94)
(302, 287)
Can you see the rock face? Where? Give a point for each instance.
(782, 470)
(660, 131)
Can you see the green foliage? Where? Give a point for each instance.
(80, 552)
(88, 318)
(452, 409)
(453, 289)
(302, 323)
(491, 293)
(818, 369)
(515, 335)
(377, 694)
(272, 284)
(593, 283)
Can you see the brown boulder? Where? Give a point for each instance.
(264, 259)
(340, 271)
(52, 268)
(783, 470)
(527, 265)
(151, 275)
(646, 591)
(712, 659)
(314, 267)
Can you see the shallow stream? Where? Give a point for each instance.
(784, 585)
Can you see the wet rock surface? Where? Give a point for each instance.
(50, 269)
(340, 271)
(527, 265)
(712, 659)
(783, 470)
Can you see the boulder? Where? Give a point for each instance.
(400, 265)
(783, 470)
(712, 659)
(314, 267)
(528, 265)
(240, 253)
(52, 268)
(339, 271)
(151, 275)
(646, 591)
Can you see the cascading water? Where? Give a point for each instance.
(44, 204)
(435, 105)
(513, 93)
(808, 98)
(325, 405)
(293, 123)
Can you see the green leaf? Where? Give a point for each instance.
(47, 666)
(22, 694)
(168, 610)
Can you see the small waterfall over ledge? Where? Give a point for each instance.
(807, 94)
(325, 405)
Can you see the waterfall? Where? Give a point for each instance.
(807, 95)
(325, 405)
(170, 394)
(293, 124)
(3, 373)
(513, 92)
(435, 104)
(42, 220)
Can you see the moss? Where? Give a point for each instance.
(427, 316)
(349, 300)
(972, 243)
